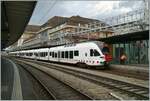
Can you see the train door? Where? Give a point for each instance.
(58, 55)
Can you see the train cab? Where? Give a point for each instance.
(106, 52)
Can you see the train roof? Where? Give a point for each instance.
(73, 45)
(83, 44)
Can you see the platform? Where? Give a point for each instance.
(134, 68)
(10, 80)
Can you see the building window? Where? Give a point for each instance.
(76, 53)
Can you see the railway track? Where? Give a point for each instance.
(56, 88)
(138, 92)
(39, 90)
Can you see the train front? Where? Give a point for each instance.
(106, 52)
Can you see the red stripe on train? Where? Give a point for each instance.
(108, 57)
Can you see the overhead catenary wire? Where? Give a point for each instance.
(48, 11)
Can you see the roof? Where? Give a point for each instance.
(124, 38)
(55, 21)
(32, 28)
(15, 17)
(73, 20)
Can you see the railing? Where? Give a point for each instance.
(134, 21)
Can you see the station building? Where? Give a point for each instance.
(136, 52)
(134, 45)
(57, 31)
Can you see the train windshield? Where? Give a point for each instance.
(94, 52)
(105, 50)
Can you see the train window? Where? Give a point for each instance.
(30, 54)
(105, 50)
(85, 54)
(66, 54)
(58, 54)
(76, 53)
(36, 54)
(91, 52)
(71, 54)
(55, 55)
(62, 54)
(40, 54)
(96, 53)
(50, 54)
(45, 53)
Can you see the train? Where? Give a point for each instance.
(83, 54)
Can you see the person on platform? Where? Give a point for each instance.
(123, 58)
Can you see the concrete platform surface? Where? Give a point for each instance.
(136, 68)
(10, 80)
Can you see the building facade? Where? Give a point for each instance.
(58, 31)
(136, 52)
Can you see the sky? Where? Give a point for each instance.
(95, 9)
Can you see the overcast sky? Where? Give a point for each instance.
(46, 9)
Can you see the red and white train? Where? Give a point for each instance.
(86, 53)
